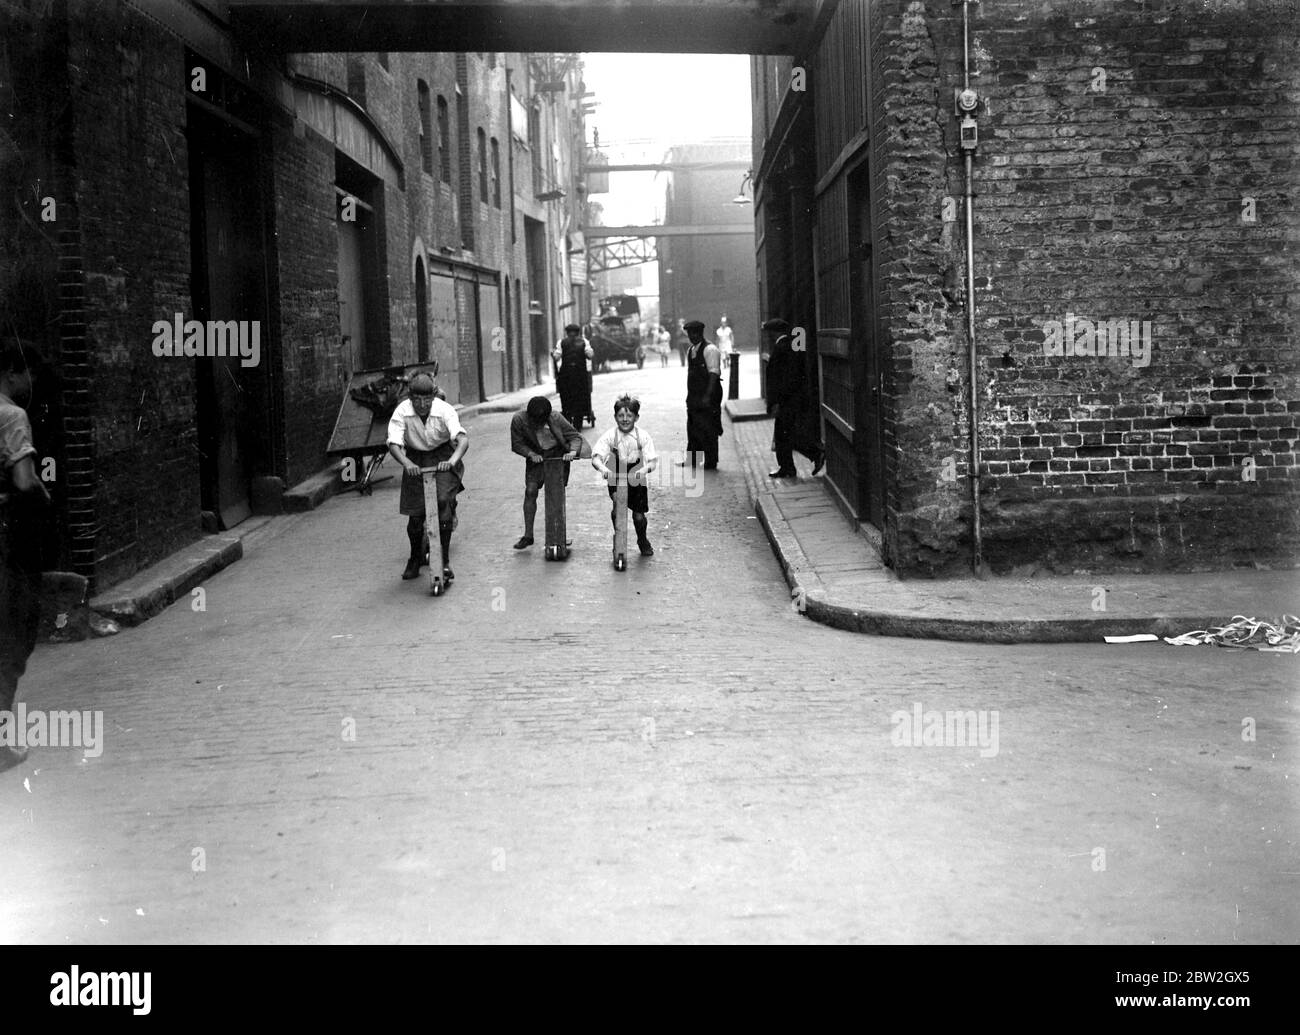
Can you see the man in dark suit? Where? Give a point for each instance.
(788, 399)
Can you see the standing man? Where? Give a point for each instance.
(22, 496)
(426, 432)
(573, 353)
(703, 397)
(538, 434)
(787, 397)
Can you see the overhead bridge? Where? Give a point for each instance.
(521, 26)
(695, 230)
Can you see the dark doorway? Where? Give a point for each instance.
(535, 251)
(507, 319)
(421, 312)
(468, 340)
(492, 345)
(228, 284)
(360, 266)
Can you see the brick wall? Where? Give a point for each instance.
(133, 267)
(1121, 146)
(33, 94)
(103, 129)
(434, 211)
(305, 306)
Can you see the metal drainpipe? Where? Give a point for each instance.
(967, 102)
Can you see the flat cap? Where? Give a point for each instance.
(777, 324)
(693, 325)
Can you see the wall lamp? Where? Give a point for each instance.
(740, 198)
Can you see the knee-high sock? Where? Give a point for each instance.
(415, 536)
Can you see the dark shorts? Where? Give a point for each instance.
(535, 474)
(449, 483)
(638, 498)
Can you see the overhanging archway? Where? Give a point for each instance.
(699, 27)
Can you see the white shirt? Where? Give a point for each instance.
(726, 339)
(712, 357)
(406, 429)
(559, 349)
(633, 447)
(15, 441)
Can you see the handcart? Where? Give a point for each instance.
(361, 430)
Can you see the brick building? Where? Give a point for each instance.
(712, 276)
(340, 211)
(1136, 202)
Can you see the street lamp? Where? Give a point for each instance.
(740, 198)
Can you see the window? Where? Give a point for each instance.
(496, 173)
(719, 279)
(444, 141)
(426, 129)
(482, 166)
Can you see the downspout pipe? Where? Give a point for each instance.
(966, 105)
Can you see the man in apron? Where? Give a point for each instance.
(573, 355)
(425, 431)
(703, 397)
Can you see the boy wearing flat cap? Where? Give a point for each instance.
(703, 397)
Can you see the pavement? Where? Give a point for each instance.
(834, 570)
(313, 751)
(837, 577)
(149, 591)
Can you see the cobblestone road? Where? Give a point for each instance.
(556, 752)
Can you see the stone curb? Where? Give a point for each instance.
(746, 409)
(149, 592)
(809, 596)
(311, 492)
